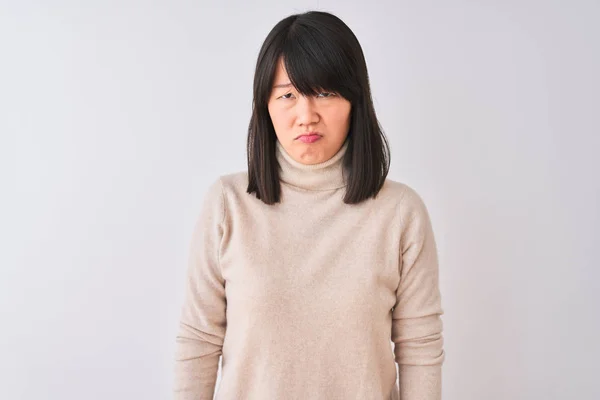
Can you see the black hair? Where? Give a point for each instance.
(319, 52)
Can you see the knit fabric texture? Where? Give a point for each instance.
(311, 298)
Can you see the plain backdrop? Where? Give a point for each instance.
(116, 115)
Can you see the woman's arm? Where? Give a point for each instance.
(203, 323)
(416, 322)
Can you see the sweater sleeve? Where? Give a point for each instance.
(416, 322)
(202, 323)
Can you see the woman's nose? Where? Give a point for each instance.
(306, 111)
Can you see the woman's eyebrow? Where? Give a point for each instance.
(282, 85)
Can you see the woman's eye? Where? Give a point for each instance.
(326, 94)
(321, 95)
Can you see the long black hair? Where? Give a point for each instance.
(319, 52)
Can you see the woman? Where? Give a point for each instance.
(305, 268)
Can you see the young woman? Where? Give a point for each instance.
(305, 268)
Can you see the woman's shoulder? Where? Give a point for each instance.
(393, 192)
(234, 180)
(404, 195)
(230, 183)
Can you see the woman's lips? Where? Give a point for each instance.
(309, 138)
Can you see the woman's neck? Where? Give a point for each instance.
(327, 175)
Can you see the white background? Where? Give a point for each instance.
(116, 115)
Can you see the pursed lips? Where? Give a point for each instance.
(309, 134)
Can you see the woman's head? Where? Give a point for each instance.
(310, 127)
(311, 77)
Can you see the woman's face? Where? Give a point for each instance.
(326, 116)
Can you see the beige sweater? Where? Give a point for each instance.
(303, 299)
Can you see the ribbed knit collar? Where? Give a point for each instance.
(327, 175)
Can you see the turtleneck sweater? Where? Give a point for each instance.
(327, 175)
(310, 298)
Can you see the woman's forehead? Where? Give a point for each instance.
(281, 79)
